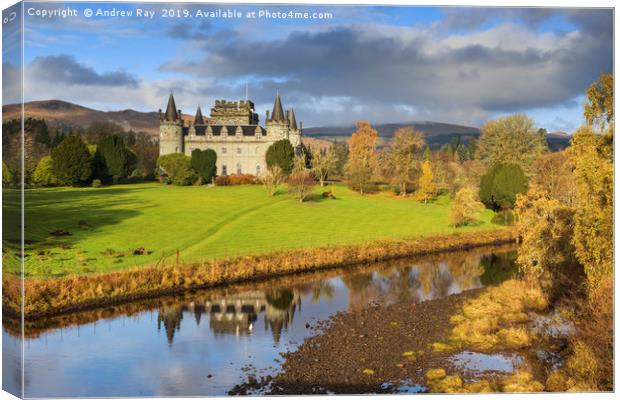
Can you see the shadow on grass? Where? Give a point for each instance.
(56, 218)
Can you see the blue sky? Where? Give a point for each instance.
(384, 64)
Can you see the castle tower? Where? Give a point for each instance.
(199, 119)
(170, 129)
(294, 133)
(277, 125)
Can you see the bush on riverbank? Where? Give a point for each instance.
(51, 296)
(492, 321)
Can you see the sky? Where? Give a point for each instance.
(461, 65)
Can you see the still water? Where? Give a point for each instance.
(206, 342)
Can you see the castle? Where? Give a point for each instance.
(232, 130)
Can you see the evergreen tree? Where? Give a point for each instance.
(203, 162)
(113, 159)
(282, 154)
(71, 161)
(501, 184)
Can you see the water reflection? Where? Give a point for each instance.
(221, 330)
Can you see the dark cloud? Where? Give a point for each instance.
(198, 31)
(377, 69)
(65, 69)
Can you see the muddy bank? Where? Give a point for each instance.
(47, 297)
(375, 350)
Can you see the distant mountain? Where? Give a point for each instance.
(436, 133)
(65, 113)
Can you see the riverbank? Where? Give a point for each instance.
(47, 297)
(392, 349)
(373, 350)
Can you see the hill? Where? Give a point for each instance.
(65, 113)
(436, 133)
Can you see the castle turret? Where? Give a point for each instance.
(278, 112)
(199, 119)
(277, 125)
(294, 134)
(171, 129)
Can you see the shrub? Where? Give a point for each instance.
(136, 173)
(71, 161)
(178, 168)
(272, 179)
(228, 180)
(203, 162)
(466, 209)
(96, 183)
(282, 154)
(501, 184)
(44, 173)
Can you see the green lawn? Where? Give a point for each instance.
(107, 224)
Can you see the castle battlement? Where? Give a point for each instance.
(232, 130)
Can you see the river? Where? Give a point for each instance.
(206, 342)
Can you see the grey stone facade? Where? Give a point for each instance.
(232, 130)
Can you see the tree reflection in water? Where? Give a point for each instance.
(234, 310)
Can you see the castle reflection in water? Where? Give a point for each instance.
(236, 314)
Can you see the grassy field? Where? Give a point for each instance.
(107, 225)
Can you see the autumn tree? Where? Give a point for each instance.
(362, 160)
(511, 140)
(545, 228)
(300, 182)
(599, 108)
(553, 173)
(426, 185)
(399, 161)
(593, 239)
(449, 176)
(466, 208)
(323, 164)
(272, 179)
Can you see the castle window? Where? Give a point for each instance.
(224, 170)
(238, 168)
(224, 150)
(258, 170)
(238, 150)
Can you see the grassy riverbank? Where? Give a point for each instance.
(89, 230)
(53, 296)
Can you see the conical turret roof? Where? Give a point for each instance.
(171, 110)
(198, 119)
(278, 112)
(292, 120)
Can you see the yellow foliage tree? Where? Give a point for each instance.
(466, 208)
(426, 185)
(362, 161)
